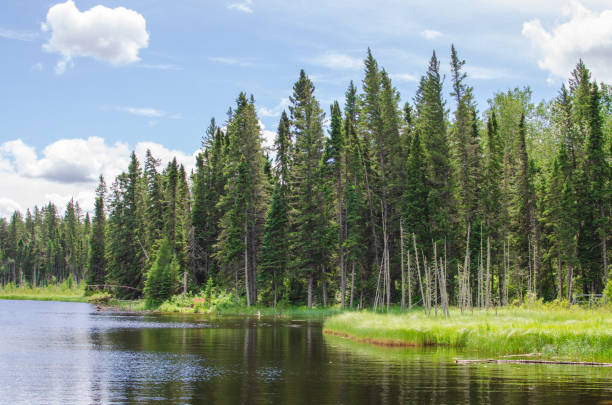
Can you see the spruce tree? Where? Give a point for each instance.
(307, 130)
(97, 242)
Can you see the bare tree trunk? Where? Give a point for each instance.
(604, 246)
(236, 282)
(324, 287)
(466, 262)
(310, 289)
(247, 284)
(488, 294)
(416, 256)
(275, 287)
(341, 240)
(352, 282)
(559, 273)
(402, 265)
(570, 270)
(409, 283)
(253, 266)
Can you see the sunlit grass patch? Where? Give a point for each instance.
(577, 334)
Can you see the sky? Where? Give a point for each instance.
(85, 82)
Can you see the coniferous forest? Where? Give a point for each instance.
(370, 202)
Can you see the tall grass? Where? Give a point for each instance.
(558, 333)
(65, 291)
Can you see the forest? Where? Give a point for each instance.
(373, 202)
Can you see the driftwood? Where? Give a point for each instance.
(112, 286)
(528, 361)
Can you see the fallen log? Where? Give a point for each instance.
(529, 361)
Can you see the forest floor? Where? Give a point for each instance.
(546, 331)
(55, 292)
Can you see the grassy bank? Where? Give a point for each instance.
(557, 333)
(56, 292)
(224, 305)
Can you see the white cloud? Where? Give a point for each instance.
(229, 61)
(112, 35)
(159, 67)
(274, 111)
(244, 6)
(8, 206)
(144, 112)
(66, 160)
(586, 34)
(405, 77)
(69, 168)
(17, 35)
(430, 34)
(485, 73)
(335, 60)
(268, 138)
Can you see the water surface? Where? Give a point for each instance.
(70, 353)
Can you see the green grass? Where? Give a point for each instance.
(56, 292)
(558, 333)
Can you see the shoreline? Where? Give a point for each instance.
(574, 334)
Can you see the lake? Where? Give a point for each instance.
(70, 353)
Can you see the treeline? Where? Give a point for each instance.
(373, 203)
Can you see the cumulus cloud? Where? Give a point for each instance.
(431, 34)
(112, 35)
(585, 34)
(69, 168)
(66, 160)
(335, 60)
(244, 6)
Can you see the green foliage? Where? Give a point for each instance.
(555, 331)
(163, 277)
(312, 226)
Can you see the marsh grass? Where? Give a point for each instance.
(558, 333)
(66, 291)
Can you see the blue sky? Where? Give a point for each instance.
(83, 82)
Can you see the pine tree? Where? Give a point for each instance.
(245, 193)
(162, 278)
(126, 254)
(432, 129)
(307, 130)
(97, 258)
(336, 155)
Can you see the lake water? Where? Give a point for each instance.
(70, 353)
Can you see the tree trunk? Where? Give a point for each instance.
(604, 245)
(341, 240)
(559, 273)
(402, 265)
(310, 289)
(324, 288)
(352, 282)
(247, 284)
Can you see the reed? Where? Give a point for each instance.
(562, 333)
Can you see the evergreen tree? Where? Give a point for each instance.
(97, 259)
(432, 129)
(307, 125)
(162, 278)
(126, 255)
